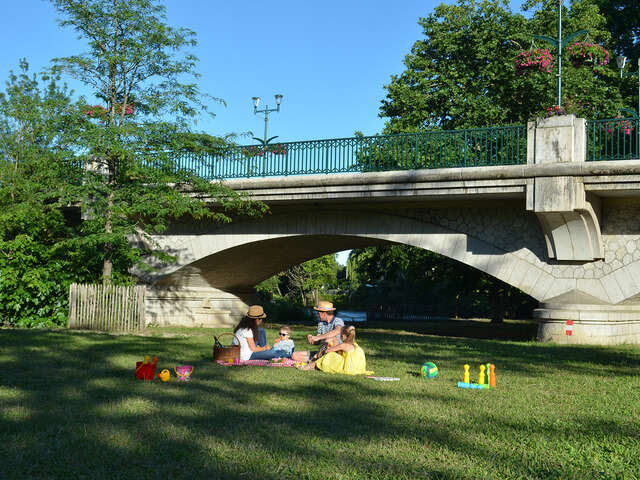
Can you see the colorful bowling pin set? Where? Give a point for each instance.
(486, 377)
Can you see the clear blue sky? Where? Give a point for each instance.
(329, 59)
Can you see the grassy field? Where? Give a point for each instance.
(70, 408)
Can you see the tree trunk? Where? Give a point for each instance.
(107, 266)
(497, 307)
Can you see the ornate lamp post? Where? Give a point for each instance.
(559, 43)
(266, 111)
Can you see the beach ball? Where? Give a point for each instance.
(429, 370)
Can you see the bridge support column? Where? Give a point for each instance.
(196, 306)
(588, 324)
(569, 218)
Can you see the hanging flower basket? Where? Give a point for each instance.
(587, 53)
(258, 151)
(554, 111)
(253, 151)
(534, 60)
(277, 149)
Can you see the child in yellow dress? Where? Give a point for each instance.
(346, 357)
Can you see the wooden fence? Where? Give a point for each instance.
(108, 308)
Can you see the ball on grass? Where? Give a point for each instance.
(429, 370)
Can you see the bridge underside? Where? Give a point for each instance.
(217, 266)
(241, 268)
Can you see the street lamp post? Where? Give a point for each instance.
(266, 111)
(621, 61)
(559, 43)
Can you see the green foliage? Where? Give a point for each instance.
(135, 63)
(622, 20)
(399, 274)
(281, 310)
(37, 260)
(85, 186)
(304, 283)
(462, 73)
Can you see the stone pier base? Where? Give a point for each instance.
(196, 306)
(588, 324)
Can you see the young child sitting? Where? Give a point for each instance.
(283, 344)
(346, 357)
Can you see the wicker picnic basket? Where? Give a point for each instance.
(226, 353)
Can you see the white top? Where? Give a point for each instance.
(243, 334)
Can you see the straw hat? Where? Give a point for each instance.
(324, 306)
(256, 311)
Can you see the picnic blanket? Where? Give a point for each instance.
(286, 362)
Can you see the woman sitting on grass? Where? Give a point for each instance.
(253, 339)
(346, 357)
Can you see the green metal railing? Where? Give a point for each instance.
(436, 149)
(613, 139)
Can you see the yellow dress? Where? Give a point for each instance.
(349, 363)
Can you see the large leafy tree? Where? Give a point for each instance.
(461, 74)
(137, 66)
(37, 257)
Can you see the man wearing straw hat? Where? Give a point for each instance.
(329, 330)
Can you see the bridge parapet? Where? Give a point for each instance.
(613, 139)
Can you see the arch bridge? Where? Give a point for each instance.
(560, 223)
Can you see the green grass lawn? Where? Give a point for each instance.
(70, 408)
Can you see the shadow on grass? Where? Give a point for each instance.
(72, 409)
(515, 330)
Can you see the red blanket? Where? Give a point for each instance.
(285, 362)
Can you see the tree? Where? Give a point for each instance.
(133, 186)
(399, 274)
(310, 278)
(462, 73)
(305, 280)
(38, 260)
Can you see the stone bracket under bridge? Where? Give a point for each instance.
(563, 230)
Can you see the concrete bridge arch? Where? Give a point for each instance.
(218, 266)
(236, 257)
(565, 231)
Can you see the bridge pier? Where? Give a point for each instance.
(588, 324)
(196, 306)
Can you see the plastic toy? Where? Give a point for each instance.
(485, 380)
(429, 370)
(164, 375)
(184, 372)
(474, 386)
(146, 370)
